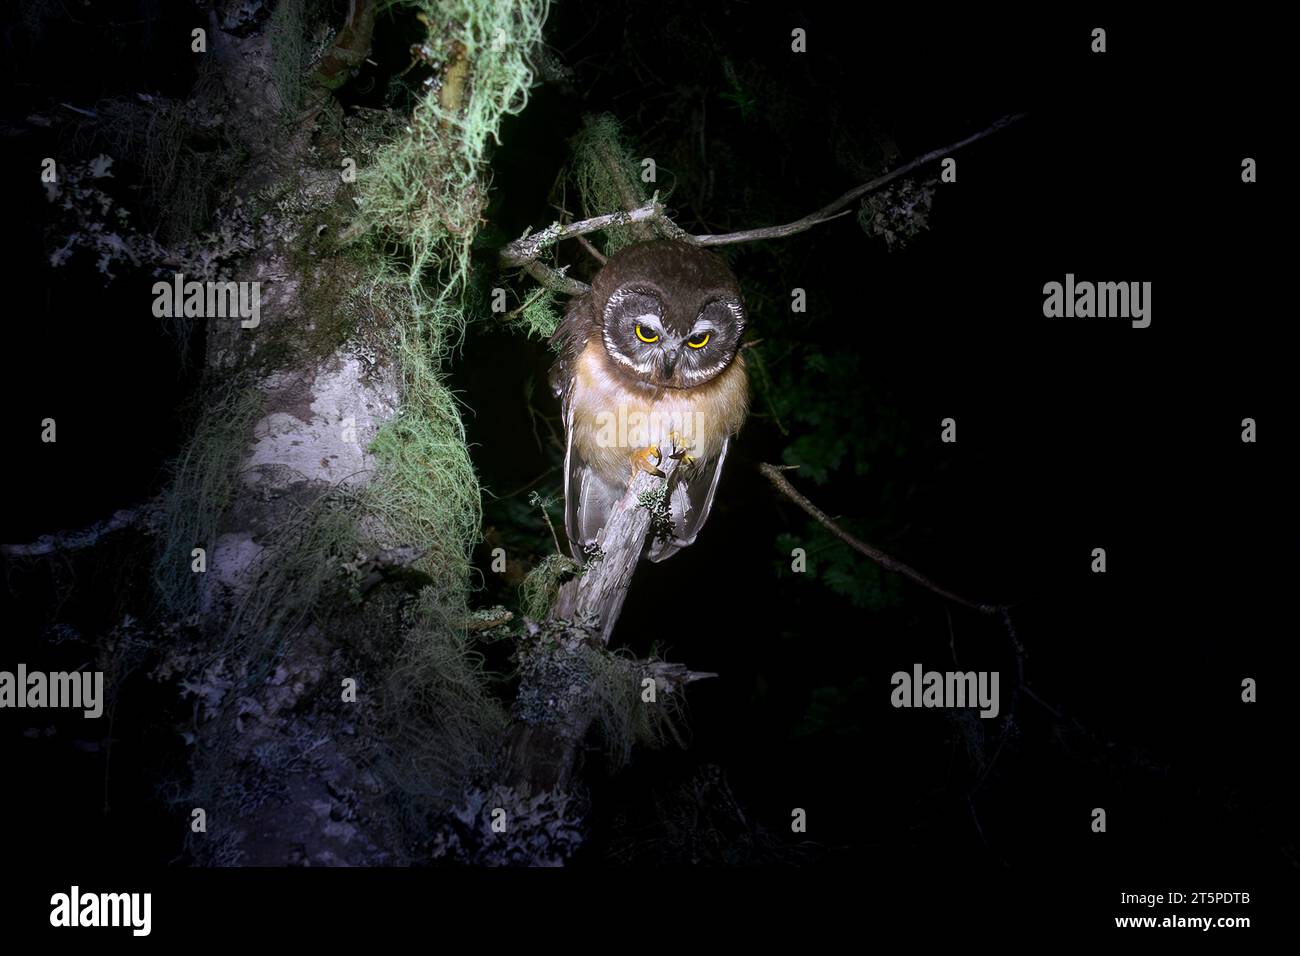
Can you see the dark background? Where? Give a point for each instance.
(1072, 434)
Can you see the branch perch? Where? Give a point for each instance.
(530, 245)
(525, 251)
(600, 590)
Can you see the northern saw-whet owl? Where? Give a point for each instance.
(649, 366)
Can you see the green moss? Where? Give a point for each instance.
(423, 195)
(539, 316)
(420, 200)
(426, 491)
(295, 579)
(656, 502)
(297, 36)
(201, 488)
(608, 177)
(542, 585)
(625, 719)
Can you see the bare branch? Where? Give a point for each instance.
(773, 473)
(829, 212)
(525, 250)
(540, 754)
(591, 250)
(82, 538)
(672, 677)
(529, 246)
(601, 588)
(556, 280)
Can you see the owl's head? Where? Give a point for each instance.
(669, 313)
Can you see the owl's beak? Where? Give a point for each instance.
(670, 361)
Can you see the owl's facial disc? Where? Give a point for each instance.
(669, 346)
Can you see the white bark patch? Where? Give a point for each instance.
(321, 426)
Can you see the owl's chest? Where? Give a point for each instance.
(611, 420)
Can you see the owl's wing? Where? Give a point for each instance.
(568, 340)
(689, 503)
(588, 501)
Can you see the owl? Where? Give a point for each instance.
(649, 366)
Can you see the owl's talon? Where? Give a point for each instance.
(641, 461)
(680, 448)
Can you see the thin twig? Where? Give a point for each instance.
(828, 212)
(520, 490)
(529, 246)
(541, 503)
(591, 250)
(82, 538)
(525, 250)
(514, 313)
(773, 473)
(555, 279)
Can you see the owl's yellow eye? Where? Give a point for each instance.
(649, 338)
(699, 340)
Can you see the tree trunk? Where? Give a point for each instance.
(272, 765)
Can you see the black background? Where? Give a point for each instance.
(1072, 434)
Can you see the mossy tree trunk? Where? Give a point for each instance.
(272, 768)
(338, 703)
